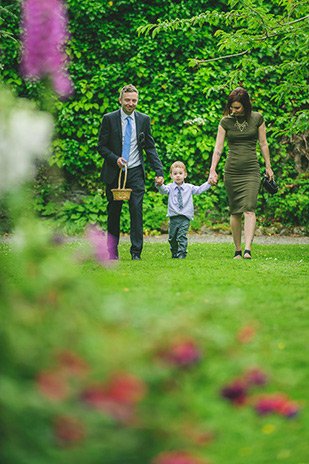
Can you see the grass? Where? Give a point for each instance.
(211, 297)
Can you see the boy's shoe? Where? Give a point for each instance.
(174, 255)
(182, 256)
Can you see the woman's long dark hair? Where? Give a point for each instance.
(239, 95)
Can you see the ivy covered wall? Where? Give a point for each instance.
(185, 105)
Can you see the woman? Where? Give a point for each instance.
(242, 127)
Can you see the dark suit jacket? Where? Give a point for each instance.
(110, 144)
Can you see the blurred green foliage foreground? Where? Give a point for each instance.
(196, 361)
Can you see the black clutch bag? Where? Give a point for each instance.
(270, 186)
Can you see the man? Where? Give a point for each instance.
(124, 134)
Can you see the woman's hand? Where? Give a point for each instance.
(213, 177)
(270, 174)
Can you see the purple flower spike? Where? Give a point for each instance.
(98, 239)
(44, 38)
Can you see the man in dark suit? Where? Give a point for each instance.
(124, 134)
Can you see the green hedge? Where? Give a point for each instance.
(185, 103)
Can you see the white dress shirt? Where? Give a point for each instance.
(134, 159)
(187, 190)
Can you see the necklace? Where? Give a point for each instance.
(241, 126)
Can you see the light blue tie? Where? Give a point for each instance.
(179, 198)
(127, 140)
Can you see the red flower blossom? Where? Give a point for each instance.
(117, 398)
(276, 403)
(125, 388)
(182, 353)
(52, 385)
(235, 392)
(246, 334)
(177, 457)
(68, 430)
(264, 405)
(290, 409)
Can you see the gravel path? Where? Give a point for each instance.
(200, 238)
(218, 238)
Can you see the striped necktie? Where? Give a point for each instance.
(179, 198)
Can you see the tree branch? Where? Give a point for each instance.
(248, 50)
(284, 25)
(224, 57)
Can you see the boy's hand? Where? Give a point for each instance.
(159, 180)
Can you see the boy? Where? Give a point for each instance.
(180, 208)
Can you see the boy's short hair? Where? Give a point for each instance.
(128, 88)
(178, 164)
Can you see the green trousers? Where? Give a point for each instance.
(178, 228)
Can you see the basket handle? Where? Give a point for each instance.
(125, 177)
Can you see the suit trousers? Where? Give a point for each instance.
(136, 182)
(178, 228)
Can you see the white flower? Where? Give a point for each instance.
(25, 135)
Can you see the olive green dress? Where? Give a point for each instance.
(242, 171)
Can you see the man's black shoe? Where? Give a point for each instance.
(182, 256)
(136, 257)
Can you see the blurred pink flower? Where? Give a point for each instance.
(255, 376)
(68, 430)
(264, 405)
(246, 334)
(44, 36)
(177, 457)
(98, 240)
(72, 364)
(276, 403)
(182, 353)
(125, 388)
(117, 397)
(290, 409)
(52, 385)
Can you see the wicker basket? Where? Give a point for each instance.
(121, 194)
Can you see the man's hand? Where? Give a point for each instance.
(159, 180)
(121, 162)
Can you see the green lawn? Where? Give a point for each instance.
(141, 306)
